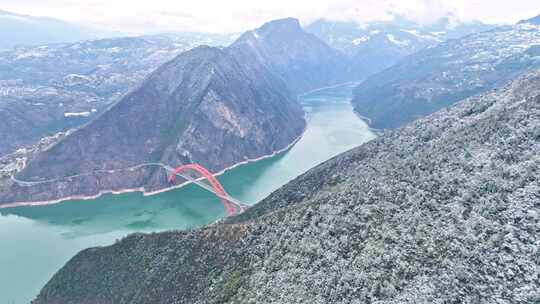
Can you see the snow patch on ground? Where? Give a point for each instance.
(361, 40)
(77, 114)
(393, 39)
(422, 35)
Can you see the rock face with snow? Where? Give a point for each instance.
(40, 85)
(216, 107)
(375, 46)
(444, 210)
(437, 77)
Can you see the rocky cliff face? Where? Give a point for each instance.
(440, 76)
(301, 59)
(444, 210)
(210, 106)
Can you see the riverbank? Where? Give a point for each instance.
(367, 120)
(142, 189)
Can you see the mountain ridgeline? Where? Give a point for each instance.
(212, 106)
(444, 210)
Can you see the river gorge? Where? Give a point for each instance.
(36, 241)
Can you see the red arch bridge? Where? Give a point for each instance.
(232, 205)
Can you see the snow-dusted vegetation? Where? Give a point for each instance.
(444, 210)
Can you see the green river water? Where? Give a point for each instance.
(36, 241)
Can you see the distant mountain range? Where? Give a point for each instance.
(442, 75)
(375, 46)
(19, 30)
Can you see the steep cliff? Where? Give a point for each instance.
(444, 210)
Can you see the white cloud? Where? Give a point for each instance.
(238, 15)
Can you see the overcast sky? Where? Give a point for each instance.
(139, 16)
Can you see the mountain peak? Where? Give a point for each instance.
(290, 21)
(280, 26)
(534, 20)
(278, 30)
(283, 43)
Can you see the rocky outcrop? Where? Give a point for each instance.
(215, 107)
(440, 76)
(444, 210)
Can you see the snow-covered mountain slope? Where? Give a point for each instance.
(437, 77)
(378, 45)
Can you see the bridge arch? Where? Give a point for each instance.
(216, 185)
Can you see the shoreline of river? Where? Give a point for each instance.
(141, 189)
(367, 120)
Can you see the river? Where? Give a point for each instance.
(36, 241)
